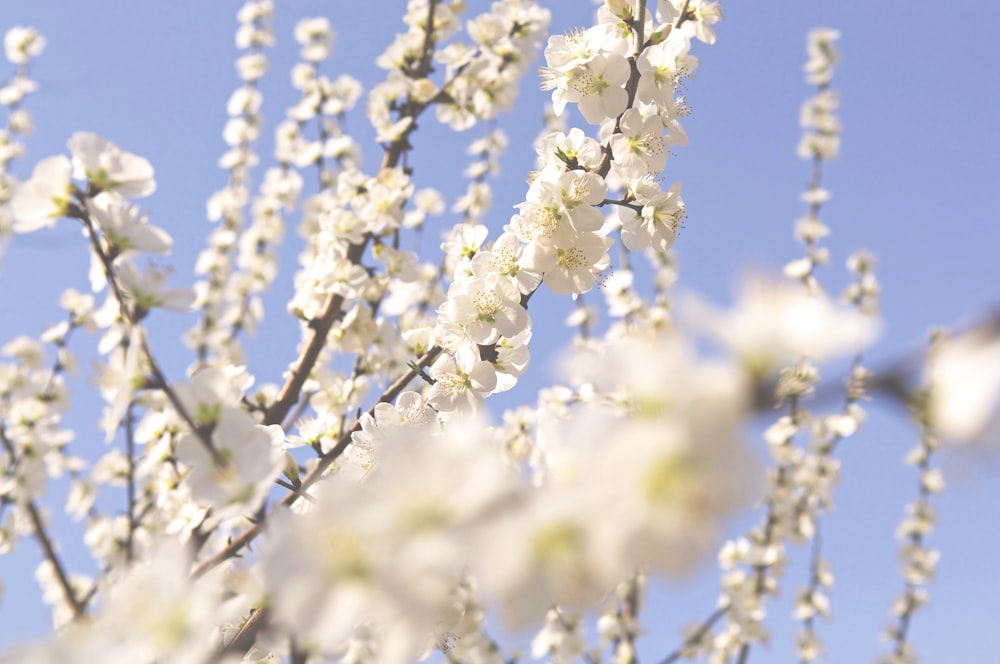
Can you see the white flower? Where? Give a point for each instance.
(572, 149)
(822, 55)
(569, 51)
(251, 67)
(119, 381)
(660, 66)
(549, 551)
(504, 258)
(656, 223)
(701, 15)
(410, 413)
(659, 447)
(149, 611)
(392, 560)
(488, 308)
(146, 291)
(597, 87)
(13, 93)
(125, 228)
(461, 243)
(512, 359)
(45, 197)
(571, 263)
(156, 613)
(209, 391)
(578, 192)
(462, 383)
(541, 222)
(640, 148)
(251, 459)
(109, 167)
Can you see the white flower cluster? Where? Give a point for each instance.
(21, 44)
(323, 101)
(207, 460)
(34, 449)
(480, 79)
(224, 300)
(118, 230)
(821, 135)
(560, 235)
(33, 398)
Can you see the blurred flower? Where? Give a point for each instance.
(775, 322)
(45, 197)
(251, 458)
(20, 44)
(965, 386)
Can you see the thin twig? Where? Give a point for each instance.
(130, 487)
(45, 542)
(696, 636)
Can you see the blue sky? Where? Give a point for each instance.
(916, 184)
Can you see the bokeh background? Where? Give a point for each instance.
(916, 184)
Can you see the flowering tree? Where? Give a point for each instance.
(363, 506)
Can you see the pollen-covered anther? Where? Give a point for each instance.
(681, 107)
(487, 303)
(584, 82)
(581, 189)
(652, 144)
(572, 258)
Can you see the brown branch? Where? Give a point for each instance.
(319, 330)
(246, 636)
(45, 542)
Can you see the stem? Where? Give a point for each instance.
(696, 636)
(130, 489)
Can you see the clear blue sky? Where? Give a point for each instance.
(916, 184)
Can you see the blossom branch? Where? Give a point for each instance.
(241, 131)
(695, 637)
(324, 462)
(919, 561)
(77, 605)
(319, 328)
(132, 316)
(26, 43)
